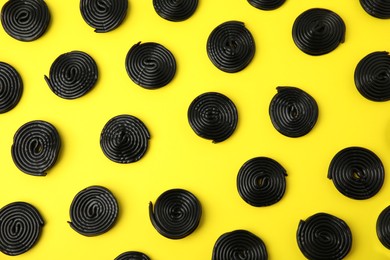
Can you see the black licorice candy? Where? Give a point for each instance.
(150, 65)
(372, 76)
(176, 213)
(357, 173)
(72, 75)
(11, 87)
(93, 211)
(231, 47)
(124, 139)
(267, 4)
(318, 31)
(132, 255)
(103, 15)
(35, 147)
(377, 8)
(25, 20)
(175, 11)
(324, 237)
(293, 112)
(239, 244)
(383, 227)
(261, 181)
(213, 116)
(20, 228)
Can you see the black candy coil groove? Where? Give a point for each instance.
(25, 20)
(124, 139)
(150, 65)
(261, 181)
(175, 11)
(132, 255)
(357, 173)
(377, 8)
(35, 147)
(213, 116)
(20, 228)
(383, 227)
(293, 112)
(372, 76)
(231, 46)
(318, 31)
(176, 213)
(239, 244)
(103, 15)
(324, 237)
(72, 75)
(93, 211)
(267, 4)
(11, 87)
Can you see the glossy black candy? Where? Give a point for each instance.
(132, 255)
(11, 87)
(383, 227)
(267, 4)
(175, 11)
(377, 8)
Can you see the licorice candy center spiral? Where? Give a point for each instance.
(11, 87)
(267, 4)
(20, 228)
(93, 211)
(36, 147)
(383, 227)
(175, 10)
(176, 213)
(132, 255)
(357, 172)
(324, 237)
(377, 8)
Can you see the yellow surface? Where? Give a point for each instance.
(177, 157)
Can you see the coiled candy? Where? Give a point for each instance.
(324, 237)
(267, 4)
(93, 211)
(72, 75)
(377, 8)
(20, 228)
(132, 255)
(231, 46)
(175, 11)
(383, 227)
(11, 87)
(176, 213)
(293, 112)
(318, 31)
(124, 139)
(372, 76)
(261, 181)
(357, 172)
(213, 116)
(36, 147)
(239, 244)
(150, 65)
(103, 15)
(25, 20)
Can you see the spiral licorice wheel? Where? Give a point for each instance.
(324, 237)
(267, 4)
(150, 65)
(93, 211)
(175, 11)
(372, 76)
(377, 8)
(72, 75)
(261, 181)
(20, 228)
(318, 31)
(383, 227)
(213, 116)
(231, 46)
(36, 147)
(293, 112)
(132, 255)
(357, 172)
(176, 213)
(11, 87)
(124, 139)
(239, 244)
(25, 20)
(103, 15)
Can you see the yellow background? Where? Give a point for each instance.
(177, 157)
